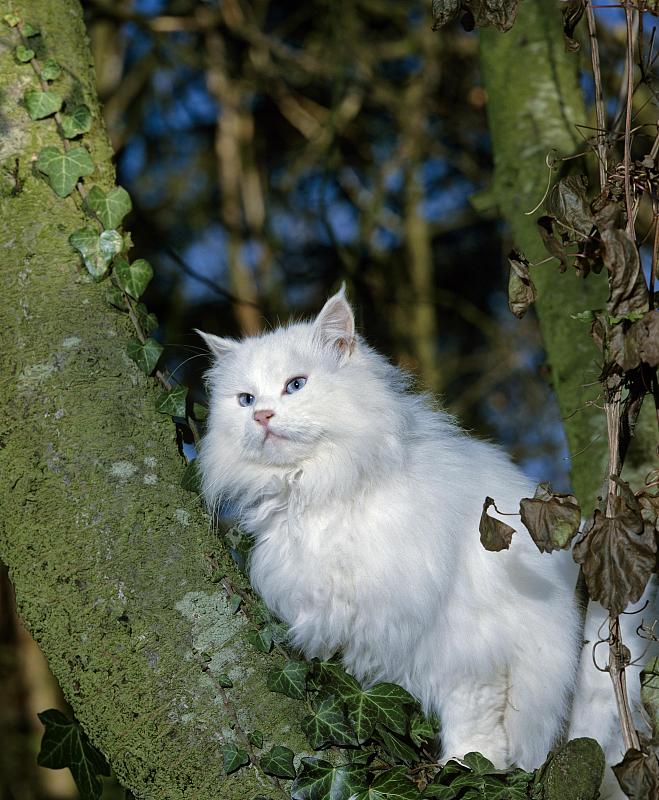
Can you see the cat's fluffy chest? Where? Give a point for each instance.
(328, 571)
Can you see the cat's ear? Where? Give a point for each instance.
(218, 345)
(335, 325)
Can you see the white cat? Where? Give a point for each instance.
(364, 503)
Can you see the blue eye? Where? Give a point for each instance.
(246, 399)
(295, 384)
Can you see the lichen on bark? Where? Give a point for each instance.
(107, 553)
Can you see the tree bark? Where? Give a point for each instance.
(534, 105)
(108, 555)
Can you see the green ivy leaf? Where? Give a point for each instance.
(395, 746)
(115, 297)
(234, 602)
(200, 412)
(97, 251)
(11, 19)
(479, 764)
(390, 701)
(65, 744)
(42, 104)
(234, 758)
(328, 725)
(261, 640)
(133, 278)
(29, 30)
(320, 780)
(362, 714)
(494, 789)
(63, 170)
(110, 208)
(191, 479)
(50, 70)
(422, 730)
(278, 762)
(79, 121)
(24, 54)
(290, 680)
(255, 738)
(391, 785)
(440, 792)
(384, 702)
(173, 401)
(147, 320)
(145, 355)
(110, 243)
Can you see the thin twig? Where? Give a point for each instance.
(629, 60)
(599, 97)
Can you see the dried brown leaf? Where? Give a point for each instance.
(499, 13)
(638, 775)
(495, 535)
(599, 330)
(627, 289)
(556, 247)
(623, 345)
(617, 553)
(551, 519)
(629, 344)
(521, 289)
(647, 336)
(572, 13)
(607, 211)
(567, 202)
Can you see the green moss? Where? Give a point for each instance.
(107, 553)
(531, 111)
(574, 772)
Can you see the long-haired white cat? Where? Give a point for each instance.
(364, 503)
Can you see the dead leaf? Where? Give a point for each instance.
(495, 535)
(568, 203)
(623, 345)
(629, 344)
(627, 289)
(618, 554)
(551, 519)
(521, 289)
(556, 247)
(647, 336)
(572, 13)
(638, 775)
(499, 13)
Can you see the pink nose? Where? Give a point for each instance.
(263, 417)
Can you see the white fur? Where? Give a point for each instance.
(365, 522)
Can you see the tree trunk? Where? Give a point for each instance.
(534, 104)
(109, 556)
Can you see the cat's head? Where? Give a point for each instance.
(307, 394)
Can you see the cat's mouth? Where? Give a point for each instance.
(271, 435)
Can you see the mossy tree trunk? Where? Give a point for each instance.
(534, 105)
(108, 555)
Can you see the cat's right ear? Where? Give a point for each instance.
(335, 325)
(218, 345)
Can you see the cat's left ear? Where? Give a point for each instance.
(335, 325)
(218, 345)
